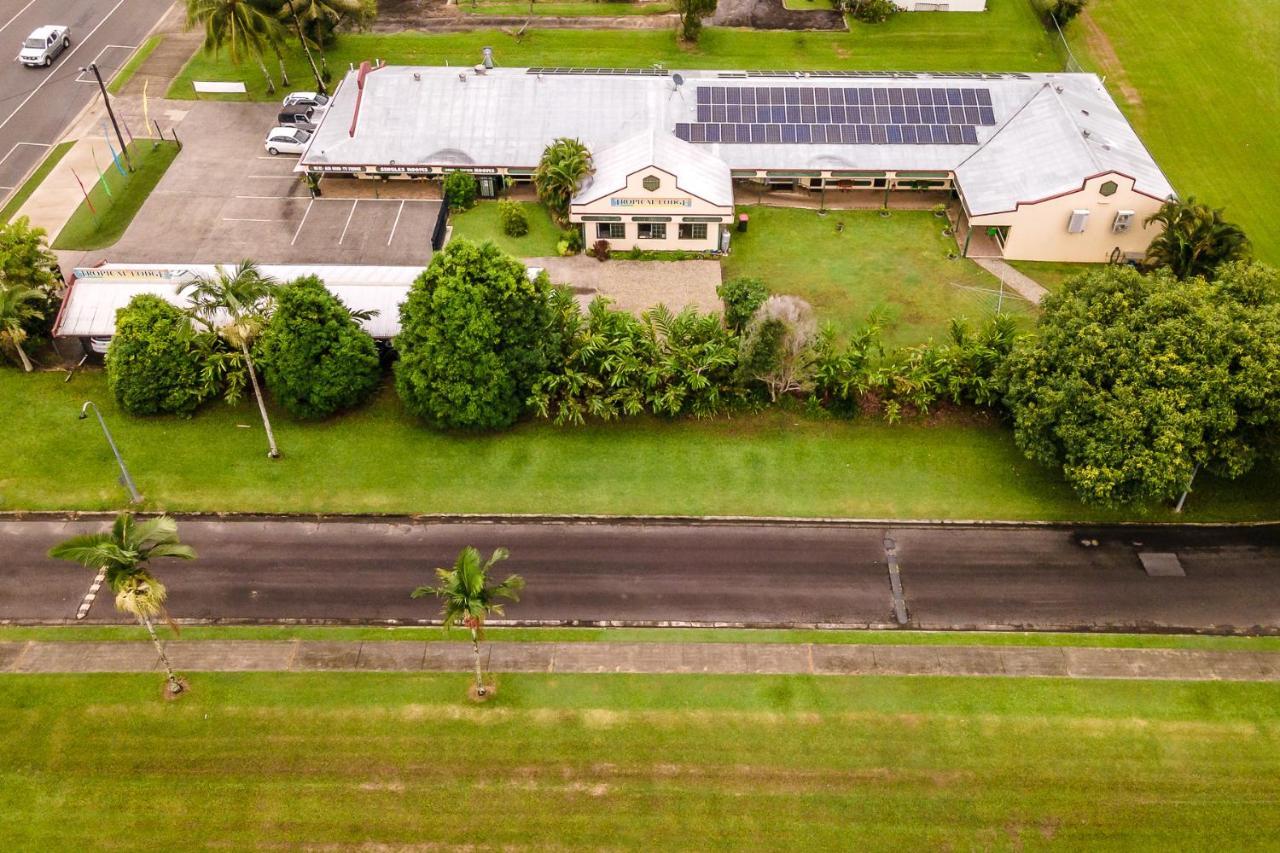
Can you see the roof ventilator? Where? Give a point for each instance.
(487, 61)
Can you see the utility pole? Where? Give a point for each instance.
(107, 100)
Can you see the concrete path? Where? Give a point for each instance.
(1025, 285)
(652, 658)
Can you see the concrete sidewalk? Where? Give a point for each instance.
(652, 658)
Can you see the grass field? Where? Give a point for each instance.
(621, 762)
(1201, 83)
(895, 268)
(1008, 36)
(125, 74)
(480, 223)
(372, 633)
(780, 462)
(19, 198)
(87, 229)
(806, 5)
(1052, 274)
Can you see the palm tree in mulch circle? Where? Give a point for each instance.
(468, 597)
(123, 555)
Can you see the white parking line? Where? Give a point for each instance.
(270, 197)
(265, 177)
(65, 61)
(348, 225)
(394, 224)
(80, 78)
(15, 17)
(303, 222)
(238, 219)
(16, 144)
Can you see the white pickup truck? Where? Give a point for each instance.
(44, 45)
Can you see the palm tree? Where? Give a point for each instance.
(242, 27)
(291, 10)
(18, 304)
(234, 304)
(565, 163)
(469, 598)
(321, 18)
(1195, 240)
(123, 554)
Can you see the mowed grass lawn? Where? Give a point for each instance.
(894, 268)
(1207, 81)
(1006, 37)
(105, 223)
(568, 10)
(481, 223)
(378, 459)
(638, 762)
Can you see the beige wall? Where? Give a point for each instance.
(666, 201)
(1038, 232)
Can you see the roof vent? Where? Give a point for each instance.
(480, 69)
(488, 57)
(462, 77)
(417, 76)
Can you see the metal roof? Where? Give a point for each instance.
(505, 117)
(697, 172)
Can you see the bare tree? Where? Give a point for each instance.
(777, 345)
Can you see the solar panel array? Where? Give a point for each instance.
(843, 115)
(608, 72)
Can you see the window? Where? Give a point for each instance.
(611, 231)
(1108, 188)
(693, 230)
(651, 183)
(652, 230)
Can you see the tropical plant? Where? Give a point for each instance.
(742, 298)
(870, 11)
(1061, 12)
(233, 304)
(315, 357)
(320, 20)
(467, 596)
(776, 346)
(475, 333)
(1134, 382)
(565, 164)
(25, 261)
(154, 365)
(691, 13)
(460, 190)
(122, 556)
(511, 215)
(1195, 239)
(243, 27)
(19, 306)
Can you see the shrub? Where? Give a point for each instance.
(691, 13)
(1062, 11)
(871, 11)
(600, 250)
(515, 223)
(776, 346)
(153, 364)
(315, 357)
(25, 261)
(475, 334)
(572, 237)
(460, 189)
(742, 297)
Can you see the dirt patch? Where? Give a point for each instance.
(1105, 53)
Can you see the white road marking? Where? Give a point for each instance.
(266, 177)
(67, 59)
(7, 188)
(81, 78)
(348, 225)
(237, 219)
(303, 222)
(16, 144)
(15, 17)
(394, 224)
(271, 197)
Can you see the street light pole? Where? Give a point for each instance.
(125, 479)
(106, 100)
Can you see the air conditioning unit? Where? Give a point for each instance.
(1124, 221)
(1077, 222)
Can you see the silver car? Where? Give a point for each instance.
(44, 45)
(287, 140)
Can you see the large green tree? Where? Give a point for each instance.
(234, 304)
(123, 557)
(1134, 382)
(245, 28)
(315, 357)
(565, 164)
(475, 333)
(467, 596)
(1195, 239)
(19, 307)
(691, 13)
(153, 364)
(27, 262)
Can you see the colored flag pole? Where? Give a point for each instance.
(146, 113)
(115, 158)
(101, 177)
(86, 196)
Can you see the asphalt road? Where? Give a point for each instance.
(953, 577)
(37, 104)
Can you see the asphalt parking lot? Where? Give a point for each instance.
(225, 199)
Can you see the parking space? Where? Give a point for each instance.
(224, 198)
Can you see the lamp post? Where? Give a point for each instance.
(106, 100)
(125, 479)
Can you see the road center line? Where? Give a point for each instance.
(69, 54)
(348, 225)
(394, 224)
(303, 222)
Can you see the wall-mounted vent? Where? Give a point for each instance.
(1124, 221)
(1079, 219)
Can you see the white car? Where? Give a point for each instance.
(287, 140)
(305, 99)
(44, 45)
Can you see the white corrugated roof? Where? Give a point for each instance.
(427, 116)
(697, 172)
(99, 292)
